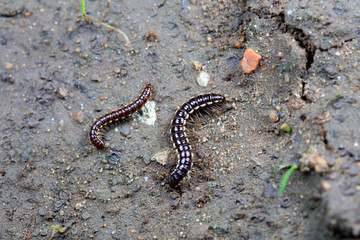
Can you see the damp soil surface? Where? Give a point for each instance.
(58, 74)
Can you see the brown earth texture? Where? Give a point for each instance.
(58, 74)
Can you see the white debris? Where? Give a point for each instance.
(149, 114)
(161, 157)
(203, 79)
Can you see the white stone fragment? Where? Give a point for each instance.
(149, 114)
(162, 156)
(203, 78)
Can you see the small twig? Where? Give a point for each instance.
(338, 96)
(87, 18)
(54, 231)
(113, 28)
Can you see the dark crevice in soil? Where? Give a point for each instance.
(304, 42)
(349, 40)
(323, 136)
(303, 95)
(299, 35)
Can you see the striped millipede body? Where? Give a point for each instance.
(178, 134)
(117, 115)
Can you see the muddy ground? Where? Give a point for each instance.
(58, 74)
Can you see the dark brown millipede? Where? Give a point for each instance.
(178, 134)
(117, 115)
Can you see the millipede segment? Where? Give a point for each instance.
(178, 134)
(118, 115)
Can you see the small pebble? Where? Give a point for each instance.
(80, 117)
(78, 206)
(125, 129)
(161, 157)
(35, 232)
(62, 92)
(42, 211)
(96, 77)
(250, 61)
(61, 125)
(43, 232)
(273, 115)
(203, 79)
(8, 66)
(235, 44)
(150, 36)
(114, 158)
(197, 65)
(325, 185)
(86, 215)
(285, 203)
(199, 232)
(147, 160)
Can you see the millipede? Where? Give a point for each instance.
(178, 134)
(117, 115)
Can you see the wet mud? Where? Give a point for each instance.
(59, 74)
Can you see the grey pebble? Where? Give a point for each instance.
(239, 185)
(331, 71)
(85, 216)
(114, 188)
(107, 136)
(42, 211)
(35, 232)
(257, 217)
(198, 232)
(269, 191)
(218, 192)
(125, 129)
(180, 68)
(135, 188)
(174, 203)
(114, 158)
(353, 170)
(64, 48)
(43, 232)
(285, 203)
(356, 157)
(33, 124)
(63, 195)
(201, 154)
(58, 204)
(96, 77)
(239, 215)
(152, 57)
(147, 160)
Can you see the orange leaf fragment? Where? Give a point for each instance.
(250, 61)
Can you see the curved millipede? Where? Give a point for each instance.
(178, 134)
(117, 115)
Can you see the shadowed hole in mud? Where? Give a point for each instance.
(303, 117)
